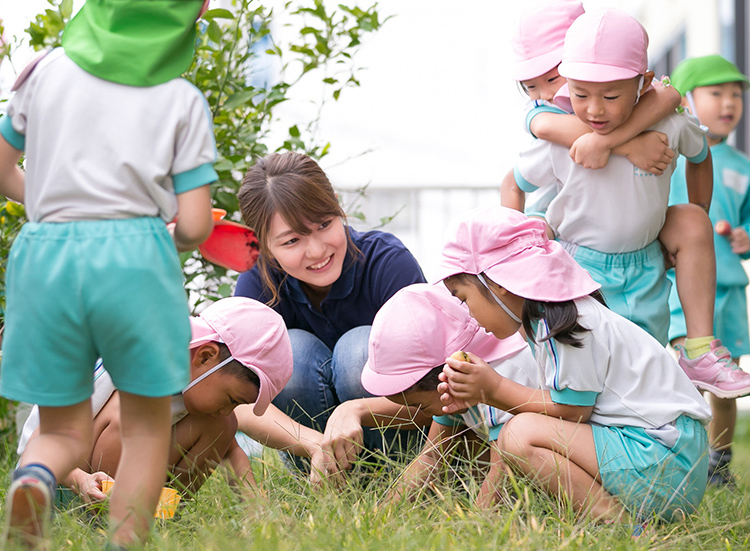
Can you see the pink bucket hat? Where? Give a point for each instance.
(416, 330)
(540, 33)
(255, 335)
(513, 250)
(604, 46)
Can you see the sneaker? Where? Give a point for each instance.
(715, 371)
(29, 508)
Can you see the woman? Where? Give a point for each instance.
(325, 279)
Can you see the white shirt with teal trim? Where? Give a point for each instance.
(622, 371)
(487, 421)
(96, 150)
(618, 208)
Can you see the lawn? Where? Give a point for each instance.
(291, 515)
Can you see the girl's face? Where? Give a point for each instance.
(605, 106)
(486, 311)
(218, 394)
(316, 259)
(545, 86)
(719, 107)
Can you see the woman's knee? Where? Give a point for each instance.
(349, 358)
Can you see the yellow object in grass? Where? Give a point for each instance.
(168, 500)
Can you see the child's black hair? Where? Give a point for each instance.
(429, 382)
(235, 368)
(562, 317)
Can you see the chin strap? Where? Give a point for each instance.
(638, 94)
(497, 299)
(207, 373)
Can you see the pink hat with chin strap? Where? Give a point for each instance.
(513, 251)
(416, 330)
(256, 337)
(539, 37)
(604, 46)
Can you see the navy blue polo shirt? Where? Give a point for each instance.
(364, 286)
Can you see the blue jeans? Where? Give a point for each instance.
(323, 379)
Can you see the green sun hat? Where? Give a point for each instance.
(133, 42)
(705, 71)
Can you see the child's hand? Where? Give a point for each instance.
(468, 383)
(650, 152)
(739, 240)
(343, 438)
(590, 151)
(89, 486)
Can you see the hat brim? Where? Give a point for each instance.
(381, 384)
(537, 66)
(594, 72)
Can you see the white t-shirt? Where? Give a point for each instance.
(618, 208)
(622, 371)
(98, 150)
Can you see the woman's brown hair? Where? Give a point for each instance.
(293, 185)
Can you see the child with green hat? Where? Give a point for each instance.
(712, 88)
(116, 145)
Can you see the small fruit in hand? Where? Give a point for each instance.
(461, 355)
(723, 228)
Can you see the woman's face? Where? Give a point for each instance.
(316, 259)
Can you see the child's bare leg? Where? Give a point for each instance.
(145, 426)
(688, 237)
(561, 457)
(62, 444)
(721, 428)
(199, 443)
(490, 491)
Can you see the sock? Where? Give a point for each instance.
(718, 459)
(699, 346)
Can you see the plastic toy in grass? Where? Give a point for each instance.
(168, 500)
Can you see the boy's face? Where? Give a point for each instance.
(604, 106)
(545, 86)
(719, 107)
(427, 401)
(218, 394)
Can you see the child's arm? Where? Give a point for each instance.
(11, 176)
(469, 383)
(238, 462)
(87, 485)
(422, 469)
(700, 182)
(511, 195)
(343, 437)
(194, 220)
(277, 430)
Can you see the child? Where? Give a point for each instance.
(537, 47)
(713, 89)
(116, 145)
(411, 336)
(606, 53)
(239, 354)
(621, 426)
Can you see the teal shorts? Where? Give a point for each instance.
(650, 479)
(633, 284)
(77, 291)
(730, 318)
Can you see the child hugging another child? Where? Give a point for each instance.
(239, 354)
(615, 220)
(621, 426)
(411, 336)
(713, 88)
(117, 144)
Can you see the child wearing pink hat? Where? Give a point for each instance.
(411, 336)
(621, 427)
(615, 220)
(537, 50)
(239, 354)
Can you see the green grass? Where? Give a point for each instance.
(293, 516)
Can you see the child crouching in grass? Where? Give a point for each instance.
(621, 428)
(411, 336)
(239, 354)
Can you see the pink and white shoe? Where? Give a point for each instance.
(715, 371)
